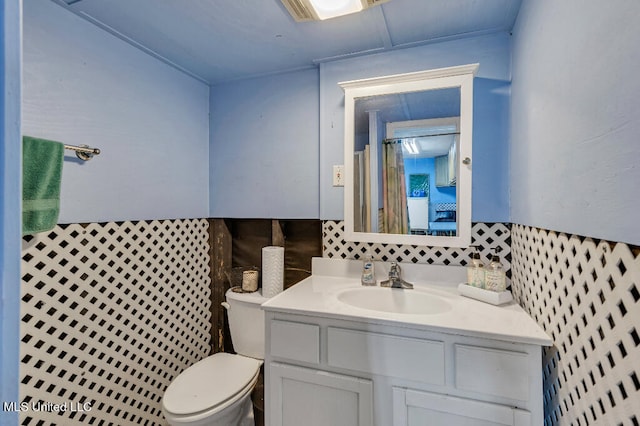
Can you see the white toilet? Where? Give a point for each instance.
(217, 390)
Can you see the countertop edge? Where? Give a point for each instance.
(429, 328)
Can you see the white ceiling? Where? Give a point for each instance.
(223, 40)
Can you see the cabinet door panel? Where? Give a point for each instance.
(302, 396)
(413, 408)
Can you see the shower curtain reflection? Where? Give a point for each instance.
(360, 198)
(394, 191)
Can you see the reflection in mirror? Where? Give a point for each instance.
(408, 158)
(405, 175)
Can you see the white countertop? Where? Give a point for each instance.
(317, 296)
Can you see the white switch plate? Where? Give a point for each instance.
(338, 175)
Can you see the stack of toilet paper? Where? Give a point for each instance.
(272, 270)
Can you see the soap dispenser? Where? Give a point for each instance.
(475, 270)
(495, 276)
(368, 277)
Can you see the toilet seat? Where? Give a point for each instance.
(210, 386)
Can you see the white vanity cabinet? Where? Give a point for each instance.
(331, 371)
(308, 395)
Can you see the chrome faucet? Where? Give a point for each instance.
(395, 281)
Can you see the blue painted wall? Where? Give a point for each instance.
(576, 118)
(264, 147)
(491, 115)
(437, 194)
(10, 187)
(85, 86)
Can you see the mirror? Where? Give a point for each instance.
(408, 158)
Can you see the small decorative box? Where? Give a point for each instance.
(487, 296)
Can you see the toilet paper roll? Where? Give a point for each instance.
(272, 270)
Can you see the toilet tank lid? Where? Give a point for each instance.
(209, 383)
(255, 297)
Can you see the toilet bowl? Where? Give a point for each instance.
(216, 391)
(213, 391)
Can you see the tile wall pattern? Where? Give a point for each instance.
(585, 293)
(110, 314)
(486, 236)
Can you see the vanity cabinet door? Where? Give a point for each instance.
(417, 408)
(303, 396)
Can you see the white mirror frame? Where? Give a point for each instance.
(442, 78)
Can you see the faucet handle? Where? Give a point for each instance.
(395, 270)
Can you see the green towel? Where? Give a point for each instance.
(41, 174)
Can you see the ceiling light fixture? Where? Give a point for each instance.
(326, 9)
(410, 146)
(316, 10)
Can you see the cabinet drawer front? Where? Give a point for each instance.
(402, 357)
(295, 341)
(492, 371)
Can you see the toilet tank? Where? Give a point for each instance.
(246, 322)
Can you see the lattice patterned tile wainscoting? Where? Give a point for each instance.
(486, 236)
(585, 293)
(110, 314)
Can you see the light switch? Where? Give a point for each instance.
(338, 175)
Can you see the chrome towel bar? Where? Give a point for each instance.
(83, 152)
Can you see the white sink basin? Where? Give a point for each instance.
(397, 301)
